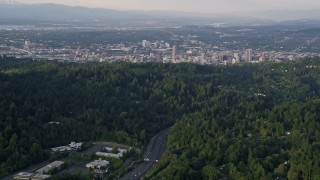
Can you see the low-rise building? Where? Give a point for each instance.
(23, 176)
(121, 151)
(103, 154)
(30, 176)
(111, 155)
(97, 173)
(76, 146)
(55, 122)
(54, 166)
(61, 149)
(40, 177)
(73, 146)
(98, 164)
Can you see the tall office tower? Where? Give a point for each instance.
(214, 58)
(145, 43)
(237, 57)
(156, 44)
(233, 61)
(263, 57)
(174, 53)
(249, 55)
(203, 58)
(26, 45)
(220, 57)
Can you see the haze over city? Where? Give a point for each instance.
(200, 6)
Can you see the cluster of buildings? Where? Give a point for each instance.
(191, 51)
(99, 167)
(43, 173)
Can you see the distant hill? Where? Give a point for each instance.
(12, 12)
(60, 13)
(9, 2)
(312, 14)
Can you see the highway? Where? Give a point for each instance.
(153, 154)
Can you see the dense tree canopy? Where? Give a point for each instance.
(268, 129)
(228, 121)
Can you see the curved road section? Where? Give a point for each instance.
(154, 152)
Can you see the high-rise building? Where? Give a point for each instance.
(215, 58)
(174, 53)
(233, 61)
(220, 57)
(237, 57)
(249, 55)
(203, 58)
(26, 45)
(145, 43)
(263, 57)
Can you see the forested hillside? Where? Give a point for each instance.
(266, 130)
(244, 121)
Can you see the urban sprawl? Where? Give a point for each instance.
(189, 51)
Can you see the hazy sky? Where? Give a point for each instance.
(208, 6)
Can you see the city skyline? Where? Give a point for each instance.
(200, 6)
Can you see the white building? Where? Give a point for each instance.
(234, 61)
(145, 43)
(40, 177)
(23, 175)
(98, 164)
(61, 149)
(75, 146)
(30, 176)
(111, 155)
(121, 151)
